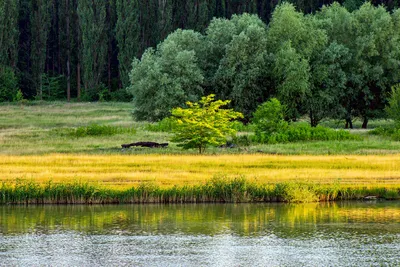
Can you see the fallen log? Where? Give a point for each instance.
(145, 144)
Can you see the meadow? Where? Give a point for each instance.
(46, 145)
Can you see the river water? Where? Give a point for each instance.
(327, 234)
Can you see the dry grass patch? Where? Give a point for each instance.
(118, 171)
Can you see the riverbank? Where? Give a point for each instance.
(48, 155)
(217, 190)
(42, 128)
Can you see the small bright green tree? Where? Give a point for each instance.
(204, 123)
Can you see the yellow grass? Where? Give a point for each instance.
(118, 171)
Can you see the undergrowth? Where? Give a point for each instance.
(388, 131)
(304, 132)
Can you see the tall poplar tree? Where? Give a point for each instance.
(164, 18)
(127, 34)
(40, 24)
(92, 18)
(9, 32)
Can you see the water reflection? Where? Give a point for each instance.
(326, 234)
(204, 219)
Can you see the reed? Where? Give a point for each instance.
(218, 189)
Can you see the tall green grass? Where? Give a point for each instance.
(219, 189)
(100, 130)
(304, 132)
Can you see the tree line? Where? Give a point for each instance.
(63, 49)
(333, 63)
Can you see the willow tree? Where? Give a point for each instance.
(127, 34)
(167, 77)
(92, 18)
(296, 41)
(243, 73)
(40, 25)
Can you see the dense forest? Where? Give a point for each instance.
(63, 49)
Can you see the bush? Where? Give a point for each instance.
(120, 95)
(54, 87)
(269, 118)
(8, 84)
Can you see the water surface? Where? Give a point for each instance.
(328, 234)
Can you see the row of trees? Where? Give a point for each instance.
(53, 47)
(334, 63)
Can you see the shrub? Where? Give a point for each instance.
(8, 84)
(393, 109)
(269, 118)
(19, 97)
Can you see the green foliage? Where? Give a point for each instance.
(92, 18)
(19, 97)
(203, 123)
(269, 118)
(292, 73)
(328, 83)
(393, 109)
(302, 32)
(244, 67)
(53, 88)
(9, 32)
(40, 27)
(167, 77)
(304, 132)
(271, 128)
(97, 130)
(127, 35)
(8, 84)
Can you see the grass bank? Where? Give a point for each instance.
(218, 189)
(61, 152)
(40, 128)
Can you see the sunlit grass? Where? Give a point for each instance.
(37, 128)
(37, 151)
(120, 171)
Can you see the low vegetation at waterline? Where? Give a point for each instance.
(219, 189)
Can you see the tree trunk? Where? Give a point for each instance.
(313, 120)
(349, 124)
(365, 123)
(68, 53)
(78, 80)
(109, 70)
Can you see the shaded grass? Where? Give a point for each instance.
(218, 189)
